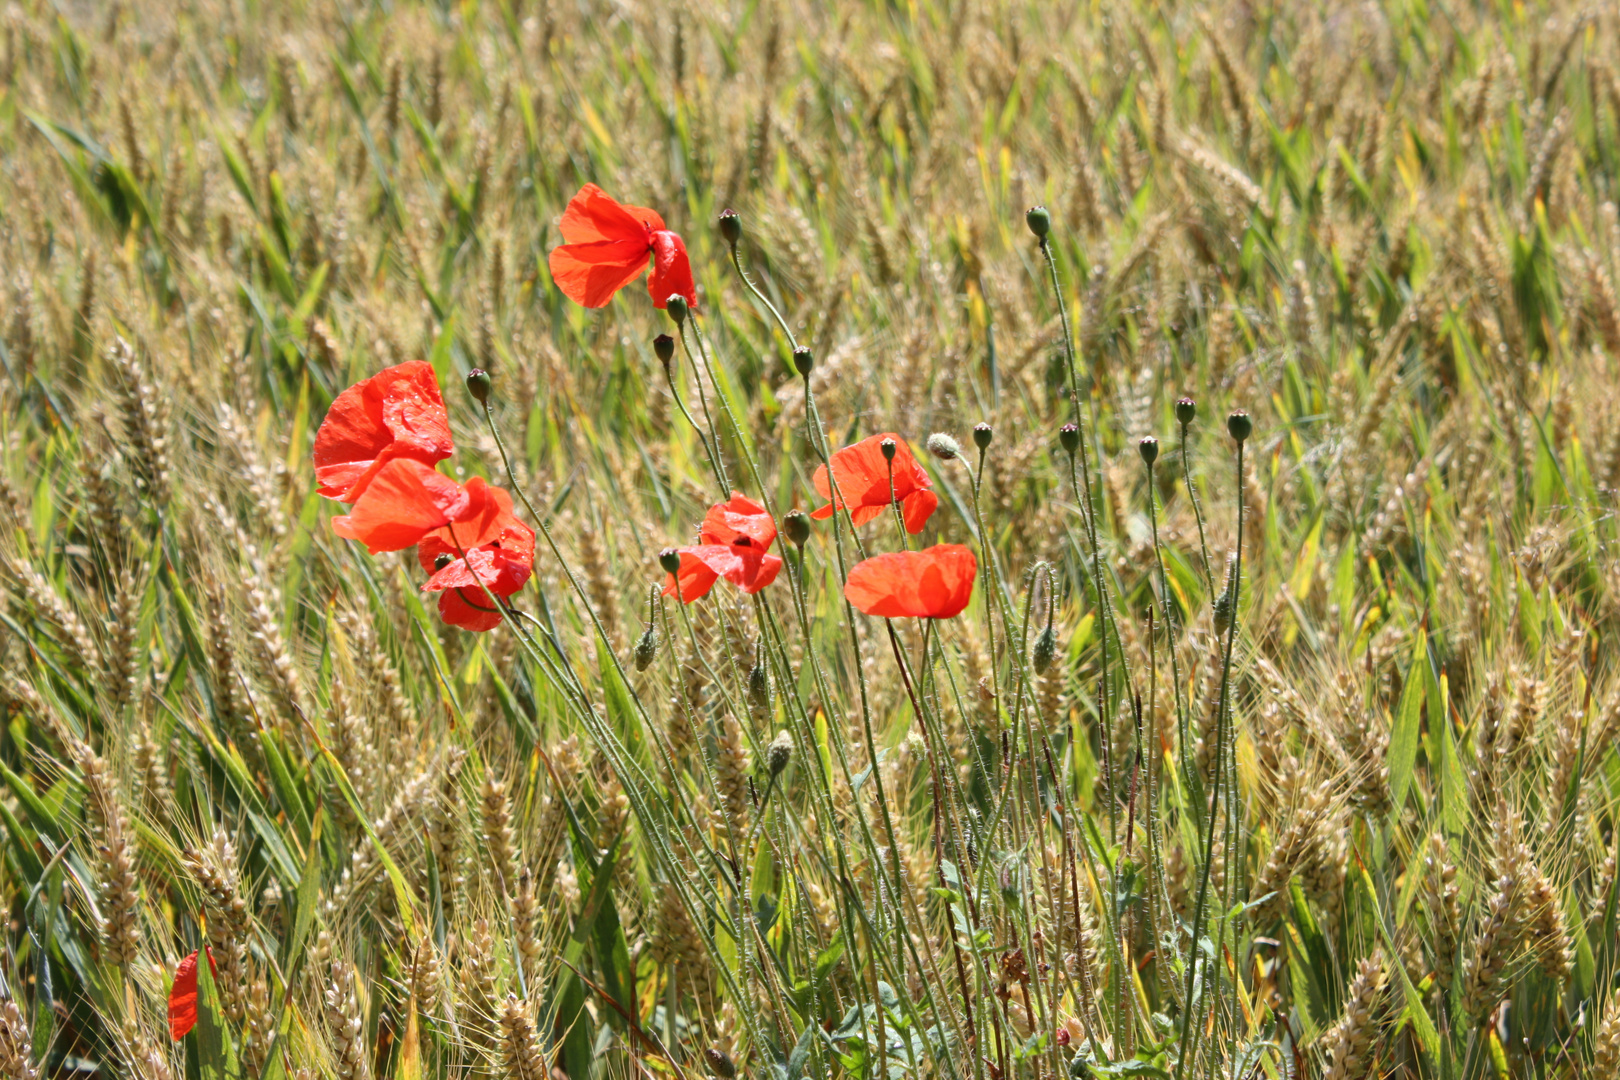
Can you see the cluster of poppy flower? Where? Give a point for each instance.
(872, 475)
(376, 450)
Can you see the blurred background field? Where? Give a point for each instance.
(1351, 813)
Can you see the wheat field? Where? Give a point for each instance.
(1248, 371)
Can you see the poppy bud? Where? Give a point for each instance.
(1149, 449)
(670, 560)
(478, 383)
(803, 362)
(796, 526)
(1186, 410)
(646, 649)
(1039, 221)
(720, 1062)
(730, 227)
(982, 435)
(1069, 436)
(888, 447)
(676, 306)
(943, 446)
(1045, 649)
(779, 753)
(759, 688)
(664, 348)
(1239, 425)
(1223, 610)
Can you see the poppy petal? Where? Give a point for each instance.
(593, 214)
(867, 479)
(692, 581)
(739, 517)
(918, 507)
(769, 567)
(672, 270)
(468, 609)
(589, 274)
(398, 412)
(183, 996)
(403, 503)
(935, 583)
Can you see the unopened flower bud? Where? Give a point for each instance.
(797, 527)
(646, 649)
(1238, 425)
(677, 307)
(1039, 221)
(779, 753)
(720, 1062)
(670, 560)
(1045, 649)
(1186, 410)
(1069, 436)
(730, 227)
(1149, 449)
(943, 446)
(803, 361)
(759, 689)
(982, 435)
(478, 384)
(889, 448)
(664, 348)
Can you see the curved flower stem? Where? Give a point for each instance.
(1198, 514)
(736, 260)
(1221, 720)
(718, 459)
(708, 450)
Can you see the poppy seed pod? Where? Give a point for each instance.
(1044, 651)
(1186, 411)
(730, 227)
(779, 753)
(888, 446)
(982, 435)
(943, 446)
(664, 348)
(803, 361)
(478, 384)
(441, 560)
(1069, 436)
(1149, 449)
(670, 560)
(797, 527)
(1039, 221)
(1238, 425)
(677, 308)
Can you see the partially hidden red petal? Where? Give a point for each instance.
(737, 518)
(692, 581)
(589, 274)
(183, 996)
(769, 567)
(468, 609)
(935, 583)
(672, 270)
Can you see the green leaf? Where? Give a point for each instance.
(1403, 740)
(216, 1057)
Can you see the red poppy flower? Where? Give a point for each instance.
(183, 996)
(404, 501)
(606, 245)
(499, 555)
(397, 413)
(863, 481)
(735, 538)
(934, 583)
